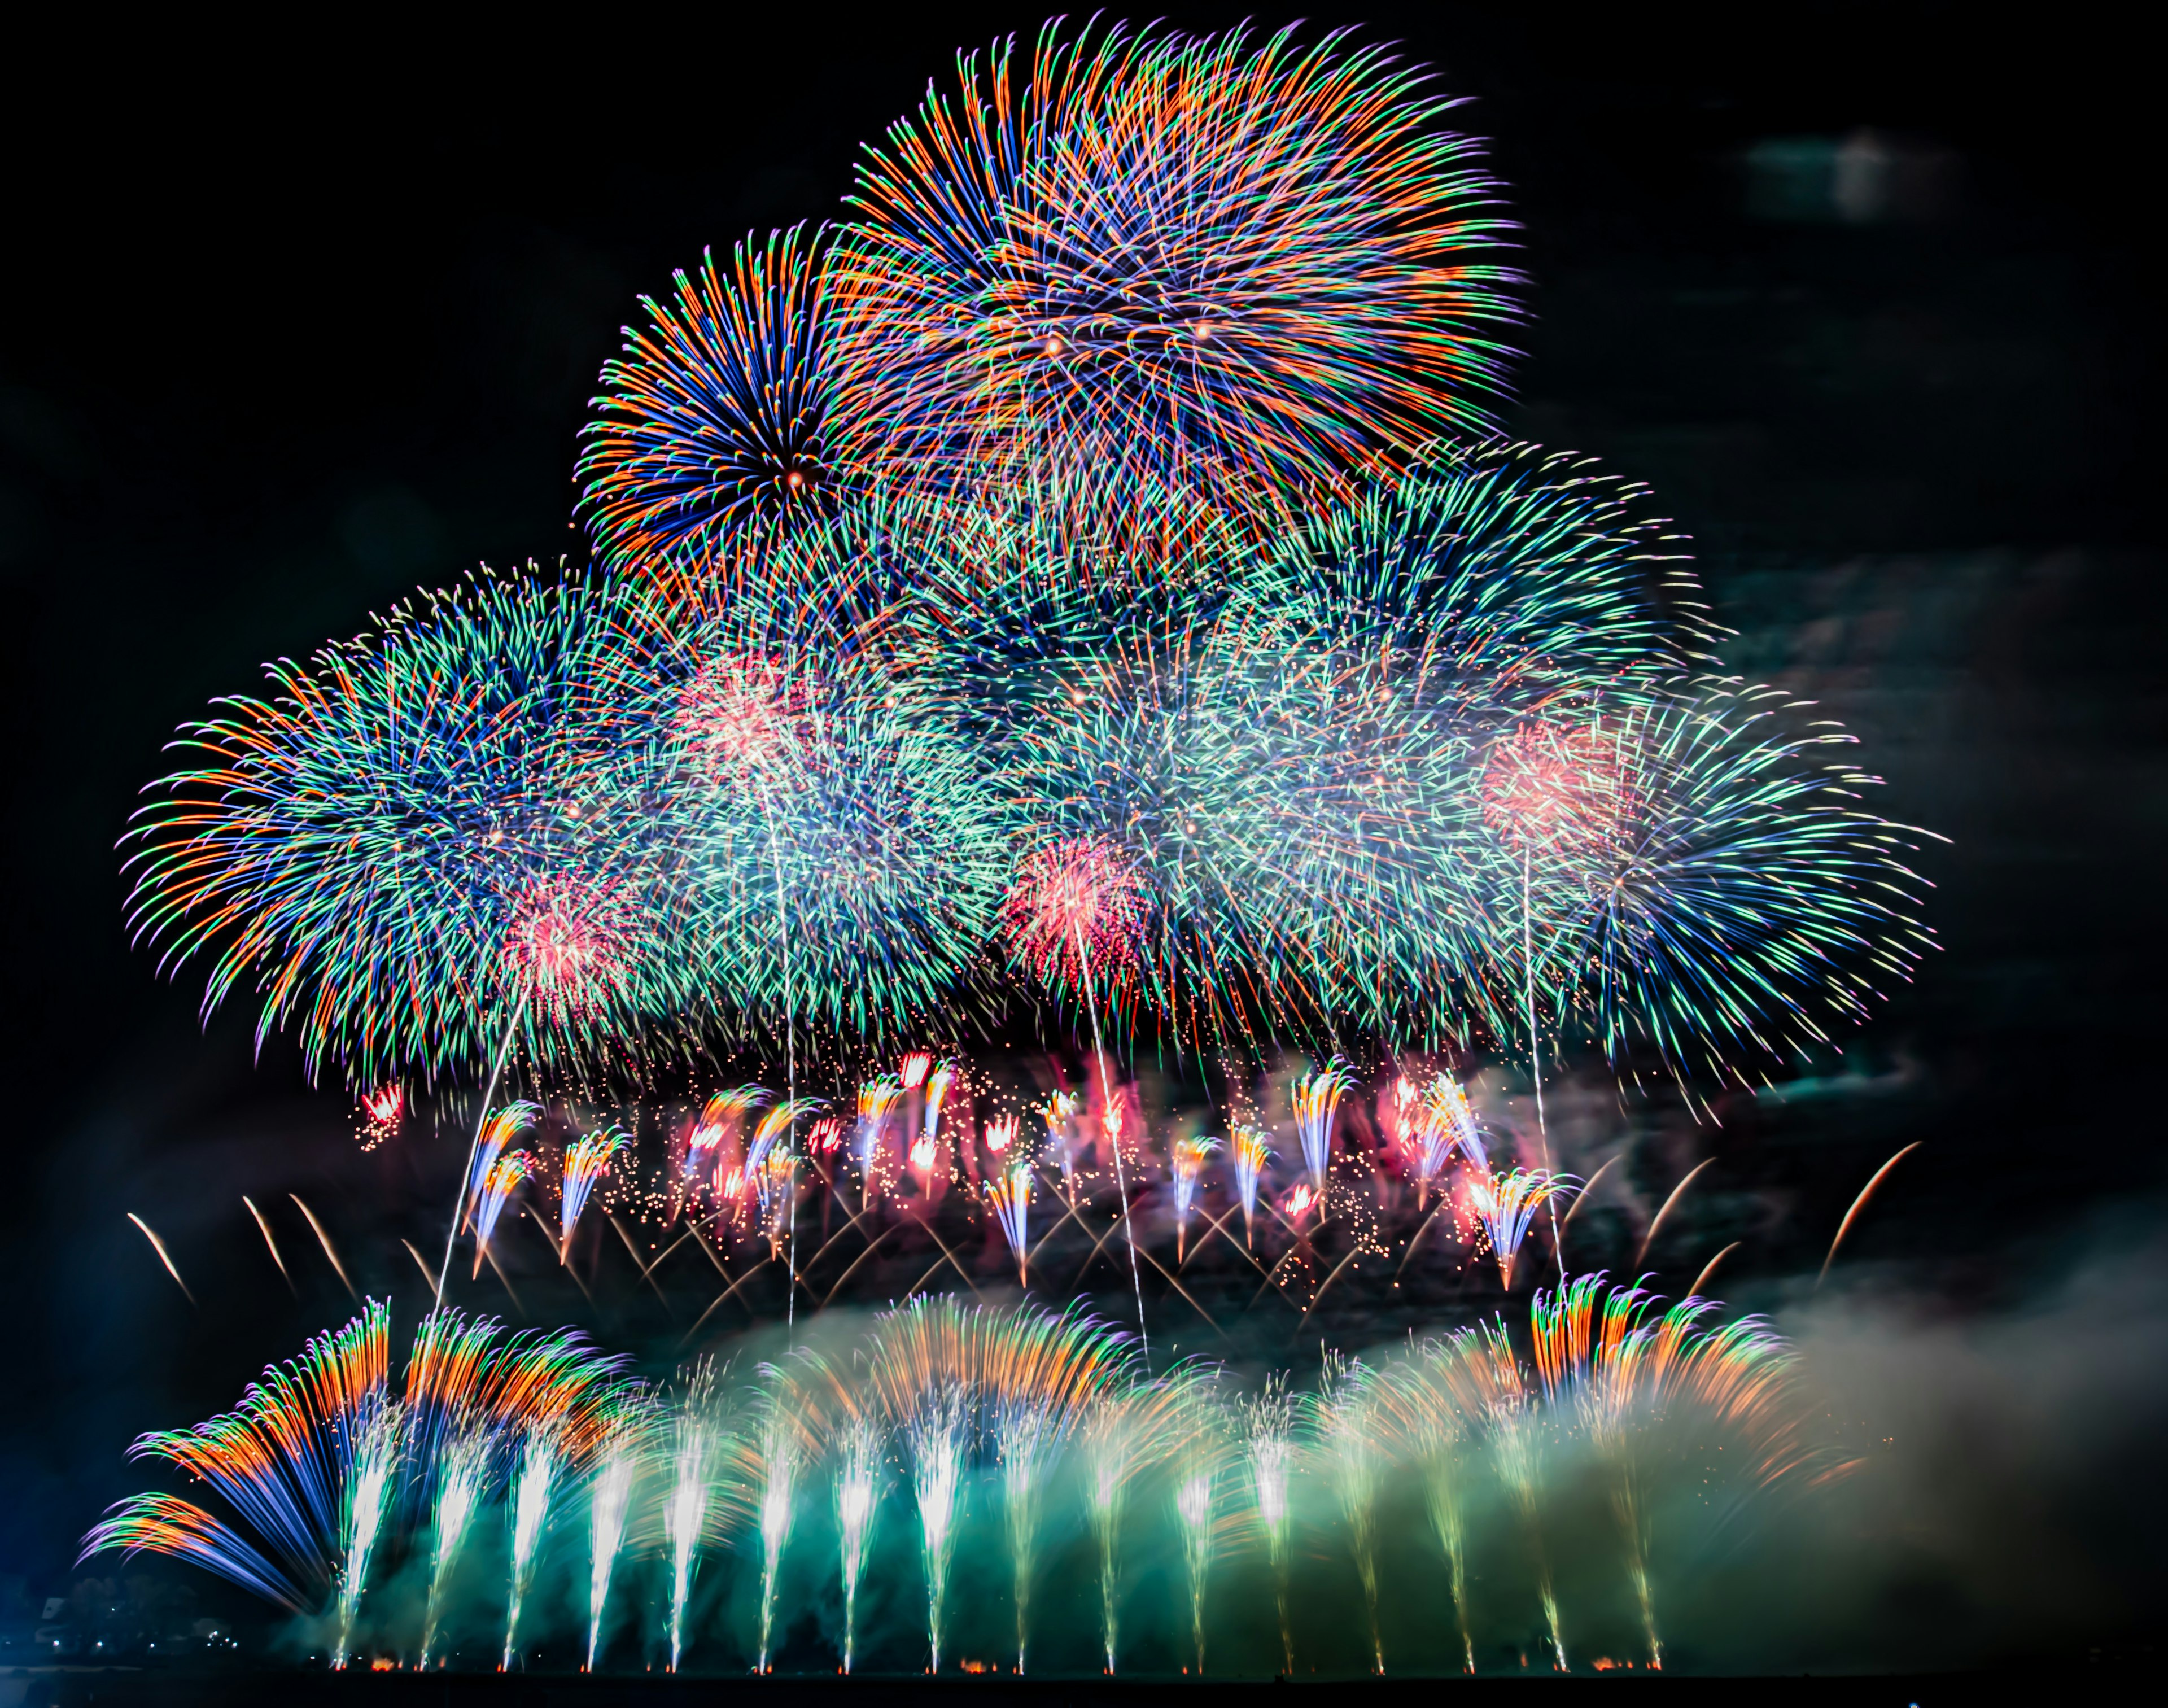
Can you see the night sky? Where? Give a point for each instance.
(1859, 291)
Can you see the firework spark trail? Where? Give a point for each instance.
(165, 1257)
(877, 1101)
(1251, 1156)
(264, 1227)
(324, 1240)
(460, 1476)
(859, 1462)
(587, 1160)
(1269, 1446)
(1656, 1222)
(1851, 1214)
(533, 1484)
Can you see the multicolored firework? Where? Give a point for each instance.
(1251, 1154)
(1075, 911)
(1316, 1100)
(1009, 1199)
(587, 1160)
(1187, 1158)
(506, 1176)
(1225, 258)
(1506, 1204)
(720, 421)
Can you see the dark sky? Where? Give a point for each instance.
(286, 332)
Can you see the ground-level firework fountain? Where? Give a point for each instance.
(1037, 1457)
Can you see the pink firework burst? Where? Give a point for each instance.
(570, 947)
(742, 713)
(1073, 902)
(1558, 791)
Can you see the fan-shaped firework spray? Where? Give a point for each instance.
(587, 1160)
(1506, 1204)
(1251, 1155)
(505, 1176)
(533, 1484)
(1227, 257)
(858, 1478)
(1009, 1199)
(695, 1448)
(719, 422)
(367, 1503)
(1348, 1438)
(1124, 1435)
(620, 1454)
(1187, 1161)
(1199, 1463)
(1489, 1373)
(1316, 1099)
(1418, 1409)
(775, 1451)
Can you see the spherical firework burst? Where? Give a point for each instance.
(1493, 577)
(1073, 913)
(414, 840)
(1229, 261)
(721, 417)
(838, 853)
(1706, 880)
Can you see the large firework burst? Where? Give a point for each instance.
(1229, 261)
(414, 839)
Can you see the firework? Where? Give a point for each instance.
(1009, 1200)
(1270, 1450)
(1251, 1154)
(1346, 1428)
(1229, 257)
(1124, 1435)
(1002, 1133)
(1187, 1161)
(587, 1160)
(460, 1478)
(1199, 1463)
(619, 1456)
(1072, 906)
(165, 1257)
(859, 1477)
(695, 1446)
(1316, 1100)
(1728, 896)
(877, 1101)
(1421, 1413)
(773, 1454)
(534, 1482)
(1506, 1205)
(504, 1177)
(407, 848)
(719, 419)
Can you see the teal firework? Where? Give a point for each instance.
(411, 842)
(1712, 889)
